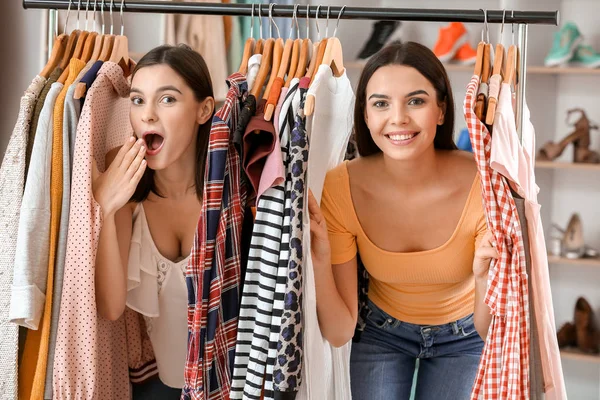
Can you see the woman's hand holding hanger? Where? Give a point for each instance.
(113, 188)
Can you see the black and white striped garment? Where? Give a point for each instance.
(258, 295)
(286, 123)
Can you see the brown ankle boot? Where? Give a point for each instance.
(567, 336)
(584, 327)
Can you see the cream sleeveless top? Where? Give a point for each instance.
(156, 289)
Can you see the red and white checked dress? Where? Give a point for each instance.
(504, 368)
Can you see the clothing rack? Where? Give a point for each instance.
(522, 18)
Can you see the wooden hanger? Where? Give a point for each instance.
(64, 62)
(333, 57)
(107, 46)
(510, 65)
(320, 53)
(283, 69)
(294, 62)
(81, 40)
(480, 103)
(58, 49)
(492, 101)
(120, 50)
(258, 49)
(88, 48)
(275, 62)
(304, 58)
(248, 48)
(479, 59)
(99, 40)
(265, 68)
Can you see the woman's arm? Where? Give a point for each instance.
(112, 190)
(481, 317)
(481, 265)
(111, 263)
(336, 285)
(337, 300)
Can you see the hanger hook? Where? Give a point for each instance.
(87, 6)
(68, 13)
(502, 26)
(252, 21)
(102, 15)
(122, 24)
(260, 21)
(512, 27)
(307, 21)
(327, 22)
(78, 8)
(273, 21)
(295, 19)
(337, 24)
(317, 21)
(112, 4)
(94, 25)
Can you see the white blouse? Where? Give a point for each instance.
(156, 289)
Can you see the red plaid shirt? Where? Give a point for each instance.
(504, 368)
(213, 274)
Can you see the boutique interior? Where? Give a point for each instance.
(547, 53)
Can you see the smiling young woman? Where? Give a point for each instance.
(150, 197)
(410, 208)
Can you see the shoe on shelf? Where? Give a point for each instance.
(585, 56)
(564, 45)
(381, 32)
(573, 244)
(567, 335)
(587, 335)
(451, 38)
(466, 55)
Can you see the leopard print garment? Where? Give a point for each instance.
(287, 372)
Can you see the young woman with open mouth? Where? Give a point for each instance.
(150, 197)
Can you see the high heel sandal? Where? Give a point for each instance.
(581, 142)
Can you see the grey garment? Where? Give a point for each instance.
(12, 182)
(70, 120)
(536, 378)
(30, 268)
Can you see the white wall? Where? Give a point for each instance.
(20, 49)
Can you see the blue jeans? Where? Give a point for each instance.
(382, 364)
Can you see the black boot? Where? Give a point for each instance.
(382, 30)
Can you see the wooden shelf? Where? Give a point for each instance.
(577, 355)
(590, 262)
(534, 69)
(565, 165)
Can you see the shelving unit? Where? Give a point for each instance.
(590, 262)
(565, 165)
(577, 355)
(534, 70)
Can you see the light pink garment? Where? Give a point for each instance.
(91, 359)
(516, 162)
(273, 173)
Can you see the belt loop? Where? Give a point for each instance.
(455, 329)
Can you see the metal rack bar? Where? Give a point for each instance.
(367, 13)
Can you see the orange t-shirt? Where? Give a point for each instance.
(430, 287)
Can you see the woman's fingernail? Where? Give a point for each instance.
(132, 139)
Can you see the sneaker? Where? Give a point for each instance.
(585, 56)
(382, 30)
(564, 45)
(466, 55)
(451, 38)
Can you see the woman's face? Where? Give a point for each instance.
(402, 112)
(165, 113)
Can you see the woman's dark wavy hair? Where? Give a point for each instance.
(422, 59)
(192, 68)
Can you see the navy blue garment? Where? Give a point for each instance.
(90, 77)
